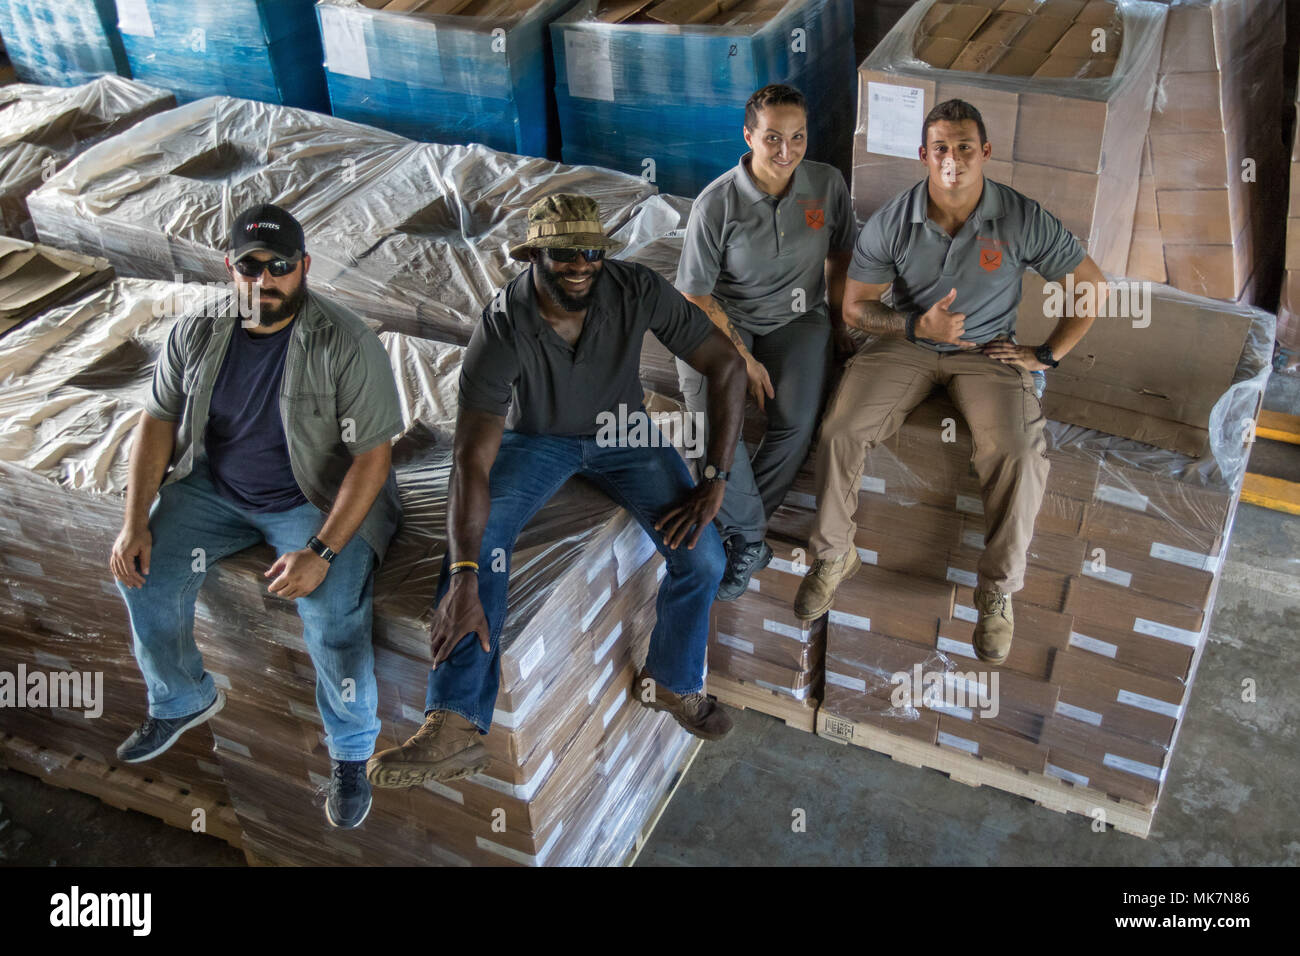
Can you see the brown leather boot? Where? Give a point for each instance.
(817, 590)
(695, 712)
(995, 627)
(446, 748)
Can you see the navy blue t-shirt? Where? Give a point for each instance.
(247, 453)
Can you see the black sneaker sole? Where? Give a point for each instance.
(350, 826)
(206, 714)
(759, 565)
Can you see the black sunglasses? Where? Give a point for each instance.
(251, 268)
(571, 255)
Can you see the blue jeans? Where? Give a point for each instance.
(528, 471)
(336, 617)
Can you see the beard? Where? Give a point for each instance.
(553, 285)
(276, 307)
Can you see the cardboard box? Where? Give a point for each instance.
(1039, 624)
(1027, 657)
(1001, 28)
(939, 52)
(1214, 271)
(1125, 609)
(1146, 257)
(1062, 132)
(1090, 773)
(1148, 575)
(976, 57)
(1015, 61)
(1146, 652)
(1188, 102)
(843, 708)
(1041, 33)
(1147, 214)
(1069, 195)
(980, 740)
(1105, 523)
(961, 22)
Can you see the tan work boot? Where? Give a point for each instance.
(446, 748)
(695, 712)
(996, 623)
(817, 589)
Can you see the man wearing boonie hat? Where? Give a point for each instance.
(275, 428)
(556, 352)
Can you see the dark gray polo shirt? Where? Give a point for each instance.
(517, 363)
(1006, 233)
(752, 251)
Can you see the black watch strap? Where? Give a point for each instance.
(1044, 354)
(319, 547)
(714, 473)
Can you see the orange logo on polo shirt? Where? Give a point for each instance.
(990, 259)
(816, 218)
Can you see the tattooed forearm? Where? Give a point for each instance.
(873, 316)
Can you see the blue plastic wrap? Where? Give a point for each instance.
(62, 42)
(484, 78)
(265, 50)
(628, 93)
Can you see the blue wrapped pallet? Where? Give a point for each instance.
(659, 90)
(265, 50)
(62, 42)
(446, 71)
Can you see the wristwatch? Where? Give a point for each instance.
(320, 549)
(711, 473)
(1044, 354)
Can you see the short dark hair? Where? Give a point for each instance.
(953, 111)
(774, 94)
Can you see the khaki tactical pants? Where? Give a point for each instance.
(880, 386)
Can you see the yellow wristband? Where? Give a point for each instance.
(464, 564)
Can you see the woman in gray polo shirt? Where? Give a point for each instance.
(765, 255)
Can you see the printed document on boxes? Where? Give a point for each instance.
(589, 66)
(133, 18)
(345, 43)
(894, 118)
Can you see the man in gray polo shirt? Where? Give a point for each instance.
(951, 250)
(766, 242)
(554, 357)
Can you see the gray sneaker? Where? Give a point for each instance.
(156, 734)
(349, 798)
(743, 560)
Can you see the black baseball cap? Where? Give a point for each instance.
(267, 227)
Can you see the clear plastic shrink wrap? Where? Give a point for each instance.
(577, 765)
(446, 71)
(43, 127)
(266, 50)
(664, 94)
(62, 42)
(1064, 87)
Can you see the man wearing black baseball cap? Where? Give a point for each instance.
(276, 426)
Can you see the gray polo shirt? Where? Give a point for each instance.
(517, 363)
(338, 399)
(1006, 233)
(753, 252)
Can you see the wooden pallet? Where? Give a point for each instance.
(801, 715)
(1049, 792)
(652, 821)
(124, 786)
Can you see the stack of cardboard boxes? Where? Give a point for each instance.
(578, 766)
(62, 42)
(1288, 313)
(1061, 86)
(1213, 156)
(446, 71)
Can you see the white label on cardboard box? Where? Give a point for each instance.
(1111, 575)
(530, 660)
(614, 634)
(133, 18)
(588, 64)
(894, 114)
(965, 578)
(1189, 559)
(509, 852)
(1104, 648)
(1135, 767)
(599, 684)
(53, 661)
(973, 540)
(754, 585)
(514, 718)
(970, 505)
(223, 743)
(847, 681)
(1150, 703)
(221, 680)
(1068, 775)
(209, 768)
(787, 567)
(444, 791)
(787, 630)
(520, 791)
(311, 714)
(868, 556)
(595, 609)
(851, 620)
(344, 36)
(1166, 632)
(943, 707)
(612, 709)
(873, 484)
(728, 640)
(1078, 713)
(955, 647)
(416, 714)
(1124, 497)
(801, 499)
(608, 765)
(964, 612)
(799, 694)
(632, 549)
(961, 743)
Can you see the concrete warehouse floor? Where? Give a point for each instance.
(1232, 797)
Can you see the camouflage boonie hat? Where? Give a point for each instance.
(564, 221)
